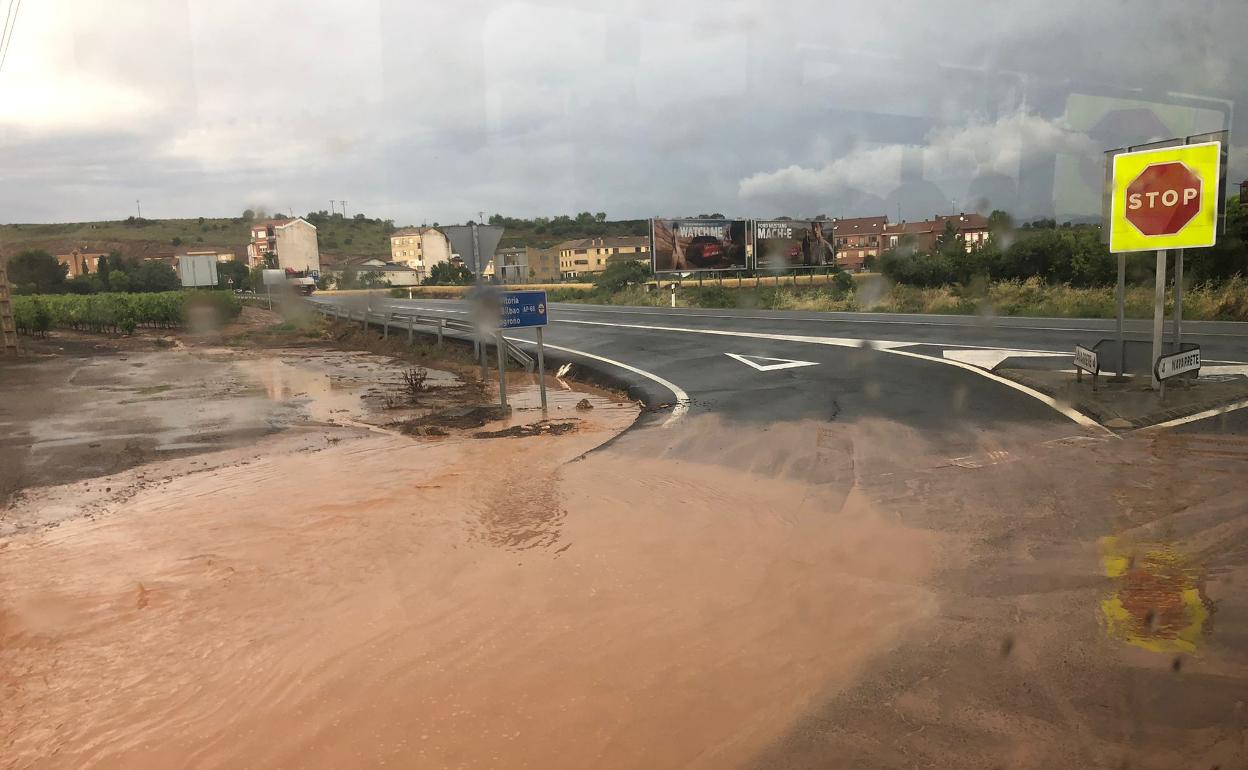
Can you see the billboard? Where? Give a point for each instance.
(787, 244)
(691, 245)
(198, 269)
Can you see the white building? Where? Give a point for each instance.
(420, 248)
(290, 242)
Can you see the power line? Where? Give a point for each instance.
(11, 26)
(7, 14)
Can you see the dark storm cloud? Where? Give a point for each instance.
(433, 112)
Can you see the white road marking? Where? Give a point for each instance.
(989, 358)
(682, 398)
(975, 325)
(1068, 412)
(1198, 416)
(785, 363)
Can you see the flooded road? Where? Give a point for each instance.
(716, 594)
(453, 603)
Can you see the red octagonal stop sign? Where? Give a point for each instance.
(1163, 198)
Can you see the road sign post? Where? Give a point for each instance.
(525, 310)
(1163, 198)
(1178, 299)
(541, 367)
(1159, 309)
(499, 347)
(1121, 296)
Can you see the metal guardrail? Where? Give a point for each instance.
(411, 321)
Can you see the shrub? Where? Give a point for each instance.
(114, 312)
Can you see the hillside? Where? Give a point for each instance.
(358, 236)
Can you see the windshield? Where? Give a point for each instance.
(622, 385)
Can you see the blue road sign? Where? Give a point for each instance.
(522, 309)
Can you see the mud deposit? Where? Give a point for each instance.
(352, 597)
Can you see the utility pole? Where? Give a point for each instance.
(344, 209)
(139, 207)
(331, 207)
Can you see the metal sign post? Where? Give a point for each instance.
(1159, 310)
(1121, 295)
(1178, 299)
(541, 367)
(500, 346)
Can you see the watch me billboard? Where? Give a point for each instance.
(690, 245)
(788, 244)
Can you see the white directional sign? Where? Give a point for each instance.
(1087, 360)
(1177, 363)
(766, 364)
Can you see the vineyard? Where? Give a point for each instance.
(118, 313)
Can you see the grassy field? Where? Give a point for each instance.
(335, 235)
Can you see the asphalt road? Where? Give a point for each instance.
(930, 371)
(1016, 664)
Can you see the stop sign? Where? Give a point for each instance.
(1163, 198)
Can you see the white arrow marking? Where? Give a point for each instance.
(990, 358)
(784, 363)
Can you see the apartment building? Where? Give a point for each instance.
(544, 265)
(588, 256)
(420, 248)
(970, 228)
(510, 265)
(857, 239)
(287, 244)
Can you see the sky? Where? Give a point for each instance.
(434, 112)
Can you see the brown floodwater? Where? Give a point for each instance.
(453, 603)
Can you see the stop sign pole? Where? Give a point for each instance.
(1161, 198)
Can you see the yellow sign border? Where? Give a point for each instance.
(1203, 159)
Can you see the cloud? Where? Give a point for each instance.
(434, 111)
(977, 149)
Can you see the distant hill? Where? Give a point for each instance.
(338, 236)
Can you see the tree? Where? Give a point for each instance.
(118, 281)
(1000, 221)
(83, 284)
(248, 215)
(620, 275)
(176, 241)
(102, 269)
(601, 216)
(348, 278)
(153, 275)
(37, 272)
(371, 279)
(233, 275)
(449, 274)
(949, 242)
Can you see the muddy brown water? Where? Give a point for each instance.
(452, 603)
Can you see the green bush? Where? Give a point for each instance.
(114, 312)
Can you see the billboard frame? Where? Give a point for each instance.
(654, 254)
(754, 263)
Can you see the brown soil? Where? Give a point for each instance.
(543, 428)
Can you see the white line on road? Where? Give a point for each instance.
(682, 398)
(974, 325)
(1198, 416)
(1049, 401)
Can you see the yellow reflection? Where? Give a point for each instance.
(1158, 602)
